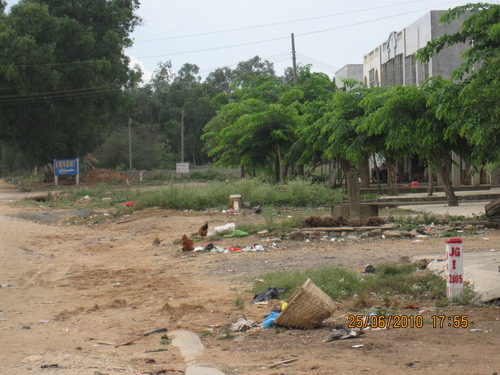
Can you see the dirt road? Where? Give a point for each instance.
(68, 292)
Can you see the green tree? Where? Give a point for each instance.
(409, 125)
(62, 68)
(471, 105)
(345, 142)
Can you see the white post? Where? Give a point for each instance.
(454, 267)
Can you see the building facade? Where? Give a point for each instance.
(394, 63)
(349, 71)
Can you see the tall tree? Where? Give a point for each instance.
(62, 68)
(471, 105)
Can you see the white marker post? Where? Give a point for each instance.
(454, 267)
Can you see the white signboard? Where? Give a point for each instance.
(454, 267)
(182, 168)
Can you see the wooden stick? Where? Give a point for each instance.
(283, 362)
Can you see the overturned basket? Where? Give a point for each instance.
(307, 308)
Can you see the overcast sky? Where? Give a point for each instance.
(216, 33)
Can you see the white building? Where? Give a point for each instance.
(393, 63)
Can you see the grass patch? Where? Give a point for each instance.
(226, 334)
(286, 225)
(182, 196)
(239, 302)
(340, 283)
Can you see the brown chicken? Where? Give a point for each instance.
(202, 232)
(187, 244)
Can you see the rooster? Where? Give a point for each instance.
(187, 244)
(202, 232)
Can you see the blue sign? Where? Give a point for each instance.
(66, 167)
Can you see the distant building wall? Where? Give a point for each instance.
(393, 63)
(351, 71)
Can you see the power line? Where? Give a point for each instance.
(287, 37)
(276, 23)
(57, 97)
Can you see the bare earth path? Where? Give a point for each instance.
(68, 291)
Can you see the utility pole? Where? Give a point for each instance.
(182, 136)
(130, 143)
(294, 60)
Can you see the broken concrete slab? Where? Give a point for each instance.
(480, 269)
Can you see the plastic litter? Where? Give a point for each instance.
(236, 233)
(129, 203)
(243, 325)
(222, 229)
(270, 293)
(344, 333)
(369, 269)
(269, 320)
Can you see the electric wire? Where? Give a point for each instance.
(276, 23)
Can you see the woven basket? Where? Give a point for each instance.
(307, 308)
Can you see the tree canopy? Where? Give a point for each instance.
(62, 69)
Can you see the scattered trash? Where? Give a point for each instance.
(415, 241)
(257, 210)
(209, 247)
(268, 321)
(114, 284)
(270, 293)
(369, 269)
(253, 248)
(344, 333)
(129, 203)
(234, 249)
(262, 232)
(237, 233)
(156, 330)
(44, 321)
(243, 325)
(6, 285)
(199, 248)
(222, 229)
(357, 346)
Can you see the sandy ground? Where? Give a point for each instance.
(68, 291)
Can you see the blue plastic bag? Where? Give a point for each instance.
(269, 320)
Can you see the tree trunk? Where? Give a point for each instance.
(392, 186)
(377, 173)
(333, 177)
(286, 168)
(443, 168)
(301, 170)
(430, 192)
(352, 191)
(364, 174)
(279, 164)
(242, 171)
